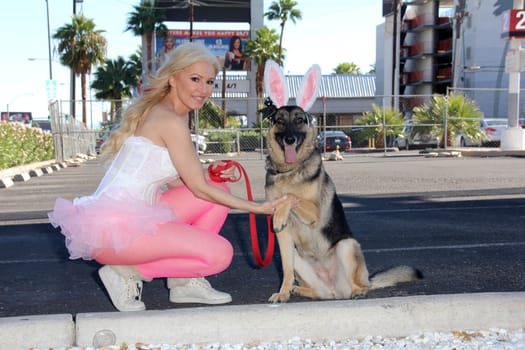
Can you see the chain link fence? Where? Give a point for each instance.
(233, 125)
(70, 136)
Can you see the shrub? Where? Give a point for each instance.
(20, 144)
(250, 140)
(220, 141)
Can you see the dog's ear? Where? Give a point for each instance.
(309, 88)
(275, 83)
(269, 111)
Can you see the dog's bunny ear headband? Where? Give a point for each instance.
(277, 90)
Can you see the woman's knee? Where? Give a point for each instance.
(221, 258)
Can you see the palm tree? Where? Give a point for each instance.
(347, 68)
(282, 11)
(462, 116)
(135, 61)
(113, 82)
(81, 46)
(263, 48)
(381, 121)
(211, 116)
(147, 20)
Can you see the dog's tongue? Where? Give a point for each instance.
(290, 155)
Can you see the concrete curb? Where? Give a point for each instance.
(37, 331)
(22, 173)
(6, 182)
(388, 317)
(25, 168)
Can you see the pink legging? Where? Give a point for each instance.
(189, 247)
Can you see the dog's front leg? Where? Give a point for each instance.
(281, 215)
(286, 247)
(308, 212)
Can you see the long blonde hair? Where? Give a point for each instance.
(158, 87)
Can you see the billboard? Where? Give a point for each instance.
(227, 45)
(20, 117)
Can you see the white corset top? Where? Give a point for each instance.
(139, 170)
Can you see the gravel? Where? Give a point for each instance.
(493, 339)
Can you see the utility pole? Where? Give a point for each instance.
(514, 78)
(513, 138)
(395, 66)
(72, 77)
(192, 16)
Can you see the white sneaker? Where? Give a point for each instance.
(196, 290)
(125, 292)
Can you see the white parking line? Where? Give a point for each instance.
(477, 198)
(30, 261)
(437, 247)
(357, 211)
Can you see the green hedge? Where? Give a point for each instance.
(220, 142)
(21, 145)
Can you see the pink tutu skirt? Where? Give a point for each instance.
(93, 223)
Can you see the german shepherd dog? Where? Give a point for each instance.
(320, 257)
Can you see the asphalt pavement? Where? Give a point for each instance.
(459, 220)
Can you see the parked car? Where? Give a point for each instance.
(410, 138)
(493, 128)
(463, 140)
(200, 141)
(333, 139)
(100, 140)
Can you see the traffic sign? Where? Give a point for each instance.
(51, 89)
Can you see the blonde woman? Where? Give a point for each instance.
(134, 229)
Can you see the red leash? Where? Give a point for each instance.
(214, 173)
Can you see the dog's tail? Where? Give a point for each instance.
(393, 276)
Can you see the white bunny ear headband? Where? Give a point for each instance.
(277, 89)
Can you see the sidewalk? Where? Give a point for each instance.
(388, 317)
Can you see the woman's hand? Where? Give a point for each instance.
(268, 207)
(227, 174)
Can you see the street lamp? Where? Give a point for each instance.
(49, 42)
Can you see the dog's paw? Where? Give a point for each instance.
(296, 290)
(278, 229)
(359, 293)
(279, 222)
(279, 298)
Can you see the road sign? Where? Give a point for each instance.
(51, 89)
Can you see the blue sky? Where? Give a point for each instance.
(331, 32)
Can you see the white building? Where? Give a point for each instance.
(431, 46)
